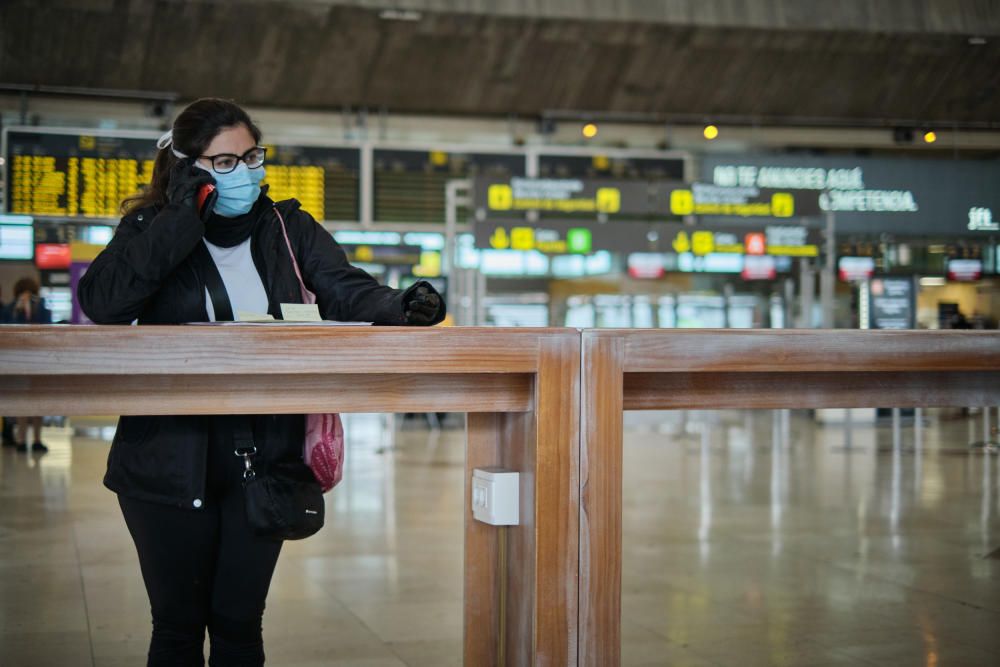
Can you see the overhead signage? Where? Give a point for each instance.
(17, 237)
(383, 254)
(702, 199)
(965, 269)
(564, 196)
(788, 241)
(981, 220)
(851, 269)
(561, 237)
(576, 240)
(757, 267)
(891, 303)
(621, 199)
(844, 188)
(646, 265)
(710, 263)
(65, 173)
(52, 256)
(905, 195)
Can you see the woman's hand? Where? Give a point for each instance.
(23, 303)
(185, 181)
(422, 306)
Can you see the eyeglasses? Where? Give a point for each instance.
(223, 163)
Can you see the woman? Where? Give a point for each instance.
(29, 308)
(177, 479)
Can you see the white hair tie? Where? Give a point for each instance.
(167, 139)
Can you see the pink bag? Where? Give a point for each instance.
(324, 447)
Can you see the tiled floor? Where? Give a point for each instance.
(748, 541)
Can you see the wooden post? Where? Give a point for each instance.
(601, 430)
(539, 588)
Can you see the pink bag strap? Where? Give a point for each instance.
(307, 296)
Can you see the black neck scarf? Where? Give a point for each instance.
(229, 232)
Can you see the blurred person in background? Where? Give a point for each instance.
(178, 482)
(8, 423)
(28, 308)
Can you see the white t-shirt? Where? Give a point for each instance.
(239, 275)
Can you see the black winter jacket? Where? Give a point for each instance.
(149, 273)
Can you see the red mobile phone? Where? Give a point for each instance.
(203, 193)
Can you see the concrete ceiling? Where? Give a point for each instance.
(326, 54)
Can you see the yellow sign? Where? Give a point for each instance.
(682, 202)
(501, 197)
(529, 238)
(702, 242)
(500, 240)
(430, 265)
(505, 197)
(609, 200)
(782, 205)
(681, 242)
(87, 143)
(793, 250)
(364, 253)
(522, 238)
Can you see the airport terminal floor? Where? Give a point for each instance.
(750, 538)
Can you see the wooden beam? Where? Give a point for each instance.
(264, 394)
(798, 350)
(715, 391)
(271, 350)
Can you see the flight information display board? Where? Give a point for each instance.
(69, 174)
(73, 175)
(409, 185)
(325, 180)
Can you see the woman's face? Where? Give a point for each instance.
(235, 140)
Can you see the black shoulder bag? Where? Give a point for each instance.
(283, 501)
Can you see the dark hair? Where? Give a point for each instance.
(26, 284)
(193, 131)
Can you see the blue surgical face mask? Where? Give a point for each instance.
(238, 190)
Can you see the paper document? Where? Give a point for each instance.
(283, 323)
(245, 316)
(300, 312)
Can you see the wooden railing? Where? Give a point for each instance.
(707, 370)
(545, 402)
(520, 386)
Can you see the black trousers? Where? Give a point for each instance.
(204, 569)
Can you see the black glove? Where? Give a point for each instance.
(185, 182)
(422, 305)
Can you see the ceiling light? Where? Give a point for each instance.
(930, 136)
(590, 130)
(710, 132)
(977, 41)
(932, 281)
